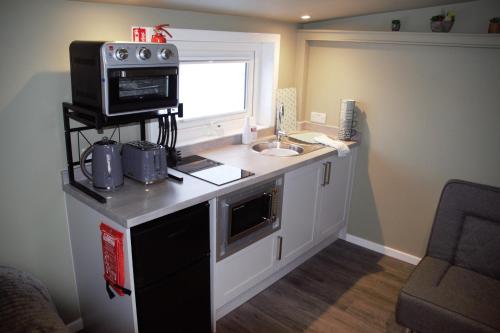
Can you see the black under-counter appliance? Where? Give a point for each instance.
(120, 78)
(171, 257)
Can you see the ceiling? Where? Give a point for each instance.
(287, 10)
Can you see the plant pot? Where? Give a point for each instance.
(396, 25)
(494, 28)
(441, 26)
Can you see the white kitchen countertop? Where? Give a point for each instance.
(136, 203)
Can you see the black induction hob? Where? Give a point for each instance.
(211, 171)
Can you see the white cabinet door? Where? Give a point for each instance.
(333, 196)
(244, 269)
(299, 211)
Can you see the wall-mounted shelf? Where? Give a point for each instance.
(93, 120)
(405, 38)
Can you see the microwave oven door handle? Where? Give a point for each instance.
(156, 72)
(270, 213)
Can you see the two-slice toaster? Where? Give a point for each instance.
(144, 161)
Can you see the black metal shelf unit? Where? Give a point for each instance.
(98, 121)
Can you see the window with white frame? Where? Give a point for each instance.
(223, 77)
(214, 88)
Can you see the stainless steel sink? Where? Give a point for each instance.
(283, 148)
(275, 148)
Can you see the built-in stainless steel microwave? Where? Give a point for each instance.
(119, 78)
(247, 215)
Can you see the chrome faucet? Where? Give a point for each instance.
(280, 114)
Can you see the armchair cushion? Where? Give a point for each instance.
(440, 297)
(479, 247)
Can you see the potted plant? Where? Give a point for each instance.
(494, 27)
(442, 23)
(396, 25)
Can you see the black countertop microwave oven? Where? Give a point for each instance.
(121, 78)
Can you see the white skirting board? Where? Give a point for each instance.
(75, 326)
(388, 251)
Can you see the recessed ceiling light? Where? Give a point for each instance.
(305, 17)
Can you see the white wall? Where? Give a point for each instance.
(34, 81)
(427, 114)
(472, 17)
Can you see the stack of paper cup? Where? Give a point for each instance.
(347, 123)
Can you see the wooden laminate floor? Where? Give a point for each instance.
(344, 288)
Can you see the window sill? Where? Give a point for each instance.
(227, 135)
(196, 146)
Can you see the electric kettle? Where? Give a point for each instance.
(107, 172)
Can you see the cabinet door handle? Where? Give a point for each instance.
(325, 173)
(280, 247)
(328, 178)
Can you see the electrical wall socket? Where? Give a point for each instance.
(317, 117)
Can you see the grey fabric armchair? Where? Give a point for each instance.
(456, 286)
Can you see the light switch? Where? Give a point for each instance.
(317, 117)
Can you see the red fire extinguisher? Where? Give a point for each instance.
(159, 33)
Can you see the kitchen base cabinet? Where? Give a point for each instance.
(315, 205)
(316, 200)
(299, 212)
(166, 268)
(244, 269)
(333, 196)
